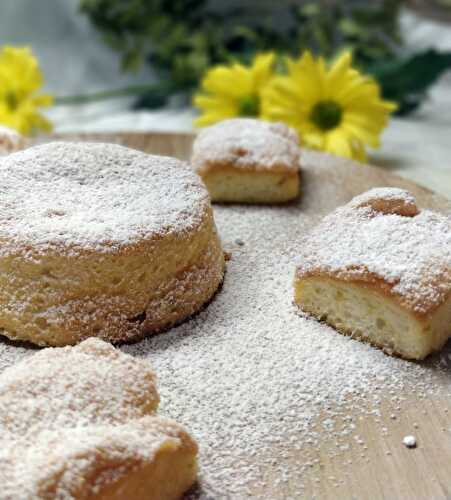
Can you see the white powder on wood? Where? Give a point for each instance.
(251, 379)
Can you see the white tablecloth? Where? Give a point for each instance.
(75, 60)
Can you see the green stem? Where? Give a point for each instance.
(108, 94)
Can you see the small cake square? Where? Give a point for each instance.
(244, 160)
(379, 269)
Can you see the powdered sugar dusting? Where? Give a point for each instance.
(57, 463)
(248, 144)
(92, 381)
(250, 378)
(385, 193)
(91, 196)
(387, 200)
(412, 254)
(64, 413)
(259, 387)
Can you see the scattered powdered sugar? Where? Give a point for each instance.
(410, 253)
(262, 389)
(93, 196)
(251, 379)
(247, 143)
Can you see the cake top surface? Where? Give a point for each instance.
(89, 384)
(248, 144)
(64, 408)
(382, 237)
(93, 196)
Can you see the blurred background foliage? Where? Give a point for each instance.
(182, 39)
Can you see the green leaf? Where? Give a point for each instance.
(406, 81)
(310, 9)
(181, 39)
(350, 27)
(155, 98)
(131, 61)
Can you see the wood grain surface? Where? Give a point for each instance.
(383, 468)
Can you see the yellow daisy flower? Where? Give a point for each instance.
(234, 90)
(20, 80)
(335, 109)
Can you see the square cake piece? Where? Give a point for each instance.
(243, 160)
(379, 269)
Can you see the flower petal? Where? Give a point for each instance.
(337, 142)
(262, 71)
(20, 79)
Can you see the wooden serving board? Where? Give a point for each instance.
(382, 467)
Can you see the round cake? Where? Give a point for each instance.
(102, 240)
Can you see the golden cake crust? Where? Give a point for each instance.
(78, 422)
(382, 240)
(126, 245)
(379, 269)
(367, 313)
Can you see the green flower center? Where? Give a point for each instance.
(12, 101)
(249, 106)
(326, 115)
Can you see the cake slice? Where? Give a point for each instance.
(79, 423)
(244, 160)
(379, 269)
(151, 458)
